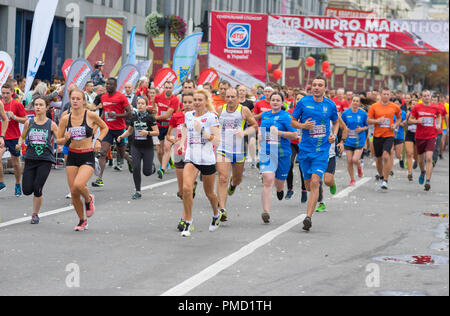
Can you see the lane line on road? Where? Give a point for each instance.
(225, 263)
(346, 192)
(70, 208)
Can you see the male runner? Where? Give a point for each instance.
(313, 114)
(115, 110)
(231, 153)
(381, 114)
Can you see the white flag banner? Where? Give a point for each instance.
(42, 23)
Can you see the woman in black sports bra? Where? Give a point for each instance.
(78, 128)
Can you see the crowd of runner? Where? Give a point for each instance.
(207, 134)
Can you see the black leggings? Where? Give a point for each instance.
(34, 176)
(290, 178)
(140, 155)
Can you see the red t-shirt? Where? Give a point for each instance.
(259, 106)
(443, 112)
(340, 105)
(13, 131)
(164, 104)
(115, 104)
(142, 92)
(426, 130)
(177, 122)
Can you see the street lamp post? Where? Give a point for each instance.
(321, 12)
(168, 4)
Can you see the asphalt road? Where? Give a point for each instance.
(133, 248)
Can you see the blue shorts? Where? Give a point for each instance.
(234, 158)
(278, 165)
(313, 163)
(10, 145)
(65, 150)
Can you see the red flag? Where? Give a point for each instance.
(66, 67)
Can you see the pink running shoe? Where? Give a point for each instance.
(91, 209)
(82, 226)
(360, 172)
(352, 183)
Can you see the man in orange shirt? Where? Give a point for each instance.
(220, 100)
(381, 114)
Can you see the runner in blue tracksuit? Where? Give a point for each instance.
(313, 114)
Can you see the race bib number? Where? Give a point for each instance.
(272, 139)
(37, 137)
(78, 133)
(386, 123)
(412, 128)
(137, 135)
(428, 121)
(109, 118)
(352, 134)
(319, 131)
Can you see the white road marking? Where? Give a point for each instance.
(70, 208)
(225, 263)
(346, 192)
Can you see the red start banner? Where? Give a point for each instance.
(238, 47)
(354, 33)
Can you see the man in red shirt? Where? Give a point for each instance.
(115, 110)
(263, 105)
(167, 104)
(428, 120)
(339, 99)
(443, 111)
(16, 114)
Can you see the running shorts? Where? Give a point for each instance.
(410, 137)
(204, 170)
(425, 145)
(10, 145)
(280, 167)
(233, 158)
(162, 133)
(180, 165)
(332, 166)
(352, 148)
(383, 144)
(78, 159)
(313, 163)
(112, 137)
(399, 141)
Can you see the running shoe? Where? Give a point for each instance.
(224, 214)
(441, 157)
(35, 219)
(130, 166)
(422, 178)
(171, 164)
(82, 226)
(69, 196)
(181, 225)
(392, 173)
(137, 196)
(307, 224)
(153, 168)
(90, 207)
(427, 186)
(2, 187)
(402, 164)
(410, 177)
(333, 189)
(321, 208)
(289, 195)
(280, 195)
(360, 172)
(384, 186)
(118, 168)
(179, 195)
(98, 183)
(215, 224)
(188, 230)
(231, 188)
(110, 163)
(352, 183)
(18, 190)
(266, 218)
(304, 196)
(160, 174)
(377, 177)
(434, 163)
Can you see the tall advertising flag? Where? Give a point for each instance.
(132, 54)
(79, 75)
(185, 57)
(42, 23)
(5, 67)
(238, 48)
(128, 73)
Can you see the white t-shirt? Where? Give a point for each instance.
(200, 151)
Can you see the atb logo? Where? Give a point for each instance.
(238, 36)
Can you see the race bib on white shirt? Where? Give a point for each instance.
(319, 131)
